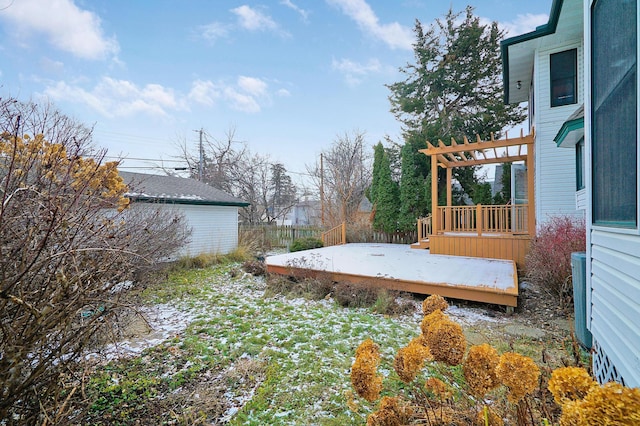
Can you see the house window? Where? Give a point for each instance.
(614, 113)
(580, 165)
(564, 78)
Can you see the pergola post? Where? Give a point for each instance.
(531, 213)
(434, 194)
(449, 202)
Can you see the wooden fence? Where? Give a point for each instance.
(284, 235)
(279, 235)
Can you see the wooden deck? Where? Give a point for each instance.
(397, 267)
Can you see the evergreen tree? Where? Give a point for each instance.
(454, 88)
(378, 153)
(386, 199)
(412, 190)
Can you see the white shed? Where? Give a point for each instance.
(211, 214)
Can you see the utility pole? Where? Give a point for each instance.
(321, 190)
(201, 159)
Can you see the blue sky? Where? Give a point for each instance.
(288, 75)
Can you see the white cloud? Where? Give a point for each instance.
(283, 93)
(204, 92)
(254, 20)
(249, 94)
(524, 24)
(119, 98)
(394, 35)
(253, 86)
(303, 13)
(215, 31)
(65, 25)
(354, 72)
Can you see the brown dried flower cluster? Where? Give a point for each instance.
(584, 402)
(488, 417)
(392, 412)
(430, 319)
(519, 373)
(433, 303)
(438, 388)
(570, 384)
(445, 340)
(410, 360)
(363, 371)
(480, 369)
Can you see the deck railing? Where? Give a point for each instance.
(424, 227)
(503, 219)
(335, 236)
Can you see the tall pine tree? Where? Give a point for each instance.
(454, 88)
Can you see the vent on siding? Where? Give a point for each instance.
(603, 368)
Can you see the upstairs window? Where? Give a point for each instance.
(564, 78)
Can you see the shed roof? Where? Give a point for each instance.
(176, 190)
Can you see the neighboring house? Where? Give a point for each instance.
(303, 213)
(211, 214)
(545, 68)
(613, 205)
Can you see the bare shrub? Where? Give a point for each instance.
(548, 263)
(69, 251)
(255, 267)
(354, 295)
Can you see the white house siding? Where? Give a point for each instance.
(555, 169)
(615, 300)
(214, 229)
(581, 199)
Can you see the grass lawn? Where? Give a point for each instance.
(245, 358)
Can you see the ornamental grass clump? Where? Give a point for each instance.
(364, 379)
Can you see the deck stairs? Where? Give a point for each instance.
(422, 244)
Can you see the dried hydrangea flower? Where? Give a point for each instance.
(438, 388)
(570, 383)
(479, 369)
(410, 360)
(433, 303)
(363, 371)
(488, 417)
(446, 341)
(610, 404)
(519, 373)
(391, 412)
(432, 318)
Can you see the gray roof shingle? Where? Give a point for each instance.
(178, 190)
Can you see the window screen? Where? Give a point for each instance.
(614, 113)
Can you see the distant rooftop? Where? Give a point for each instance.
(177, 190)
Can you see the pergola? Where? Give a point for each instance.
(497, 221)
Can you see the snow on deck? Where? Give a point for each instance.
(394, 263)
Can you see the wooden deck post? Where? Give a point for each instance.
(479, 219)
(434, 194)
(531, 213)
(344, 232)
(449, 203)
